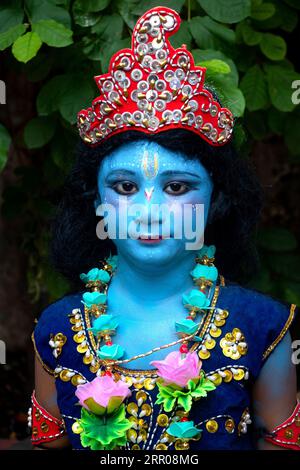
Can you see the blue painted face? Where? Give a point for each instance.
(145, 173)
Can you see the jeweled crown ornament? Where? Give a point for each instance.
(153, 87)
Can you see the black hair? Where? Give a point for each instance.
(235, 208)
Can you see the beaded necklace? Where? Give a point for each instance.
(103, 424)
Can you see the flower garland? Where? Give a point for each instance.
(103, 424)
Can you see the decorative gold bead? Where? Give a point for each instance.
(135, 447)
(229, 425)
(44, 427)
(107, 109)
(239, 375)
(75, 379)
(162, 420)
(215, 333)
(204, 354)
(82, 349)
(34, 431)
(79, 338)
(132, 408)
(212, 426)
(94, 368)
(205, 128)
(76, 428)
(289, 433)
(147, 409)
(141, 395)
(63, 375)
(148, 384)
(210, 344)
(132, 435)
(37, 415)
(161, 446)
(297, 421)
(182, 444)
(228, 376)
(87, 139)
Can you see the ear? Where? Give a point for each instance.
(219, 206)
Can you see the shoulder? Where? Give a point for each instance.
(265, 318)
(53, 325)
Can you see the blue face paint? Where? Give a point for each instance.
(124, 179)
(151, 275)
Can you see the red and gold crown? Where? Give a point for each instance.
(153, 87)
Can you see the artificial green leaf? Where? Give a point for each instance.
(52, 33)
(277, 239)
(227, 11)
(5, 141)
(26, 47)
(263, 11)
(38, 132)
(11, 14)
(280, 81)
(254, 88)
(47, 10)
(9, 36)
(274, 47)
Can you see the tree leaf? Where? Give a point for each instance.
(78, 94)
(227, 11)
(219, 30)
(9, 36)
(5, 141)
(108, 23)
(26, 47)
(277, 239)
(203, 37)
(47, 10)
(263, 11)
(182, 36)
(91, 6)
(144, 5)
(280, 81)
(52, 33)
(11, 14)
(201, 56)
(216, 66)
(255, 89)
(249, 35)
(273, 46)
(38, 132)
(49, 96)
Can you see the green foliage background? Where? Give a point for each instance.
(58, 45)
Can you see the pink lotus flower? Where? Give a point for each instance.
(177, 369)
(102, 395)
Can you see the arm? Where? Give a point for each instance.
(274, 394)
(45, 392)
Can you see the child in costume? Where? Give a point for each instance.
(158, 348)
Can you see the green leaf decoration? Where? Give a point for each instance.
(262, 11)
(170, 395)
(255, 88)
(38, 132)
(11, 14)
(26, 46)
(274, 47)
(104, 432)
(227, 11)
(52, 33)
(9, 36)
(5, 141)
(183, 430)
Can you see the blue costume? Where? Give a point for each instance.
(238, 334)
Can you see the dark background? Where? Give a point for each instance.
(48, 84)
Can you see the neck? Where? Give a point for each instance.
(153, 283)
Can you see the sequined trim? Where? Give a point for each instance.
(282, 333)
(47, 369)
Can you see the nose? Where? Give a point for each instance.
(151, 213)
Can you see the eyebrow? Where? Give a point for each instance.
(164, 173)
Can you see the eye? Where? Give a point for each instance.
(176, 188)
(125, 188)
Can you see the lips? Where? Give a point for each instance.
(148, 237)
